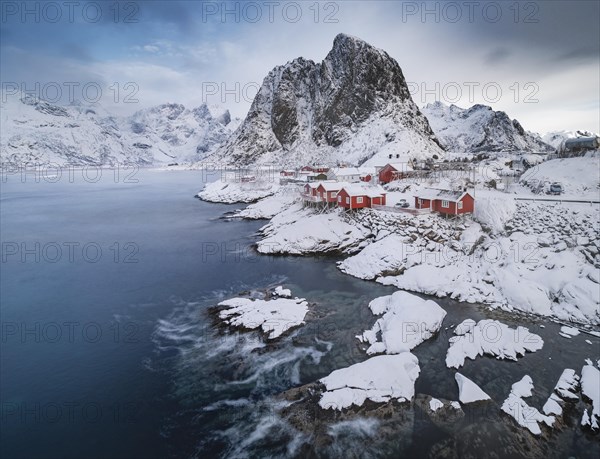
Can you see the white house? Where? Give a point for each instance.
(344, 174)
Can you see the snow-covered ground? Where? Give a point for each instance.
(274, 317)
(540, 258)
(579, 177)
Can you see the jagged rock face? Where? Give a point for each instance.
(480, 129)
(328, 111)
(36, 132)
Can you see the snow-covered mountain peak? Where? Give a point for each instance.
(353, 107)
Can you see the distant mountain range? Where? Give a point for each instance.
(353, 107)
(37, 132)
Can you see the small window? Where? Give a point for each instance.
(340, 199)
(333, 194)
(347, 200)
(359, 200)
(445, 204)
(460, 205)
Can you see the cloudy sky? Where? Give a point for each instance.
(538, 61)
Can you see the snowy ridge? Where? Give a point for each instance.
(479, 129)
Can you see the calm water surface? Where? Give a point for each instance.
(108, 349)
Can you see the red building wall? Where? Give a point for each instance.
(328, 196)
(468, 205)
(387, 174)
(354, 204)
(425, 205)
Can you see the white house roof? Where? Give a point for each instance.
(333, 186)
(401, 166)
(341, 171)
(364, 170)
(356, 189)
(313, 184)
(446, 195)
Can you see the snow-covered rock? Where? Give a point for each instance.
(353, 106)
(532, 262)
(406, 321)
(567, 384)
(492, 338)
(468, 391)
(230, 191)
(565, 388)
(380, 379)
(272, 205)
(282, 292)
(297, 231)
(435, 404)
(274, 317)
(568, 332)
(525, 415)
(478, 129)
(590, 388)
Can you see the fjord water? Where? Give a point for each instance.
(108, 349)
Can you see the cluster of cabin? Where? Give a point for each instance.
(316, 173)
(343, 194)
(358, 188)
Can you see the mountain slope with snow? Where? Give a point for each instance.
(480, 129)
(556, 138)
(35, 132)
(353, 107)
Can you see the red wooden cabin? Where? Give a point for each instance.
(393, 171)
(445, 202)
(358, 197)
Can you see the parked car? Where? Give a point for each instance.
(402, 203)
(556, 188)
